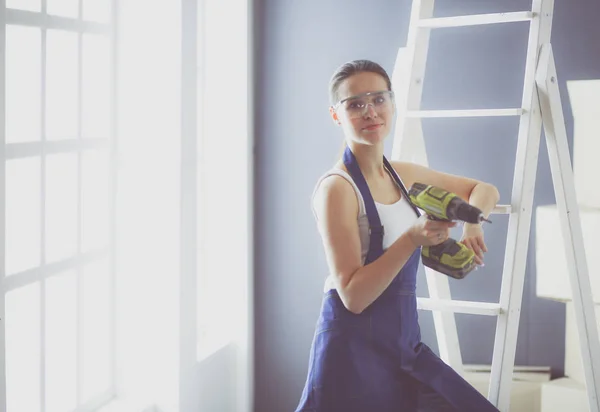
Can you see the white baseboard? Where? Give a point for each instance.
(525, 389)
(125, 405)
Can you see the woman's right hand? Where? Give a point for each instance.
(428, 232)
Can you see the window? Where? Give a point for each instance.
(57, 295)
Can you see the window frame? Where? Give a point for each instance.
(41, 149)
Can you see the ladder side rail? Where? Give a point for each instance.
(411, 86)
(566, 200)
(415, 59)
(444, 321)
(519, 225)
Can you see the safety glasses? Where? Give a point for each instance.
(357, 106)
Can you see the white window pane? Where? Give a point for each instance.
(96, 329)
(94, 200)
(61, 85)
(61, 206)
(22, 214)
(23, 349)
(97, 10)
(23, 83)
(96, 86)
(63, 8)
(61, 342)
(30, 5)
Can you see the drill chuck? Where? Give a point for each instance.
(467, 213)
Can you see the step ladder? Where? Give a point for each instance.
(541, 105)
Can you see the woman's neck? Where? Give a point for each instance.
(370, 160)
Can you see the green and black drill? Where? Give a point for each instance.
(450, 257)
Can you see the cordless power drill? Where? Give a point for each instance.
(450, 257)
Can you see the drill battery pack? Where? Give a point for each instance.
(450, 258)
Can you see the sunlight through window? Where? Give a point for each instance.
(97, 10)
(61, 206)
(95, 86)
(61, 85)
(96, 329)
(23, 208)
(94, 200)
(61, 342)
(63, 8)
(29, 5)
(23, 349)
(23, 83)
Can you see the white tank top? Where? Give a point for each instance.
(396, 218)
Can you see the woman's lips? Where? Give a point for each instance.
(373, 127)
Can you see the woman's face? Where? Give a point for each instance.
(365, 109)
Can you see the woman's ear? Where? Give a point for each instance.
(334, 115)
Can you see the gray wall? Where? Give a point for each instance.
(299, 45)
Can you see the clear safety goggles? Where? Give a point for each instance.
(357, 106)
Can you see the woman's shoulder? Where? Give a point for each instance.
(336, 176)
(335, 190)
(406, 171)
(401, 166)
(334, 182)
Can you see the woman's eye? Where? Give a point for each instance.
(380, 100)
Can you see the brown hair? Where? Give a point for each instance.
(351, 68)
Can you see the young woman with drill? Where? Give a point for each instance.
(367, 354)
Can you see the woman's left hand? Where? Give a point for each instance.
(473, 239)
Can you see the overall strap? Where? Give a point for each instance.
(400, 184)
(375, 228)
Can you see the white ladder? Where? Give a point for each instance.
(541, 104)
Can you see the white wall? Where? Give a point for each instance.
(148, 200)
(163, 284)
(223, 373)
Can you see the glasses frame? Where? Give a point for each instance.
(390, 92)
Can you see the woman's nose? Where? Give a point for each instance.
(370, 111)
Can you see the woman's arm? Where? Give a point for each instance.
(336, 208)
(483, 195)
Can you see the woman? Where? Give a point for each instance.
(367, 353)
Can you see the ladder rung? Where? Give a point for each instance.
(465, 113)
(476, 19)
(459, 306)
(502, 210)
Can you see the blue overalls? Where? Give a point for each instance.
(375, 361)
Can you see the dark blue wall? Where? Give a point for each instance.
(299, 45)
